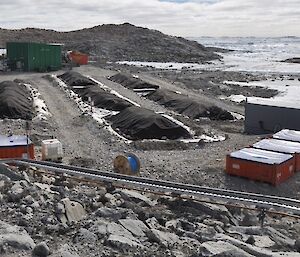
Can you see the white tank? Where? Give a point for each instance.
(52, 150)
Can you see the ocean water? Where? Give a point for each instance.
(254, 54)
(251, 54)
(261, 55)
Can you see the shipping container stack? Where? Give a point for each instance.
(272, 160)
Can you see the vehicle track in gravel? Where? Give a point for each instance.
(81, 135)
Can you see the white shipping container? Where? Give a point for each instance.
(52, 150)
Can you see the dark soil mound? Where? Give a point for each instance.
(73, 79)
(131, 82)
(103, 99)
(187, 106)
(15, 101)
(139, 123)
(86, 89)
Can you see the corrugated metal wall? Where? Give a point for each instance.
(17, 151)
(17, 52)
(34, 56)
(265, 119)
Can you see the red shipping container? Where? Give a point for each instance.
(79, 58)
(281, 146)
(288, 135)
(261, 165)
(15, 147)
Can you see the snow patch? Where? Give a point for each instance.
(2, 51)
(237, 116)
(166, 65)
(205, 138)
(237, 98)
(39, 105)
(289, 90)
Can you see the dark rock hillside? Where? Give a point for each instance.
(118, 42)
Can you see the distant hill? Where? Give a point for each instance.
(123, 42)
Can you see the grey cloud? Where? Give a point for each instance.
(192, 18)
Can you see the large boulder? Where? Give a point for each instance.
(166, 239)
(41, 250)
(254, 250)
(65, 251)
(74, 211)
(123, 243)
(220, 248)
(17, 191)
(85, 236)
(116, 229)
(15, 237)
(136, 197)
(136, 227)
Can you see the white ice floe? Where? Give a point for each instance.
(259, 54)
(167, 65)
(39, 105)
(289, 90)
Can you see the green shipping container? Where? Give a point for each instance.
(33, 56)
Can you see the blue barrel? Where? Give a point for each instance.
(128, 164)
(134, 163)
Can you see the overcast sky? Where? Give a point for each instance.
(175, 17)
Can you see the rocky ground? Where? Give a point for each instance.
(43, 215)
(75, 219)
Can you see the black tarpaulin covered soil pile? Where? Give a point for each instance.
(139, 123)
(104, 99)
(86, 89)
(73, 79)
(15, 101)
(188, 106)
(131, 82)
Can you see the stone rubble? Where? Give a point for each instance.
(70, 219)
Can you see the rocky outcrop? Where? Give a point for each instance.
(118, 42)
(292, 60)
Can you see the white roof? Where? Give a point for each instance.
(287, 134)
(262, 156)
(273, 102)
(278, 145)
(6, 141)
